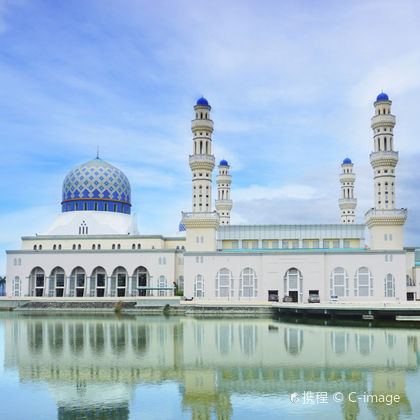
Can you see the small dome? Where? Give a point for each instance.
(181, 227)
(223, 163)
(382, 97)
(347, 160)
(202, 101)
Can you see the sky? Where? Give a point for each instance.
(291, 85)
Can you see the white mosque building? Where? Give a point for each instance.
(94, 248)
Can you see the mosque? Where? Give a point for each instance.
(94, 247)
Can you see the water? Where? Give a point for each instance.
(140, 367)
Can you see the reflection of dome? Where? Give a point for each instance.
(223, 163)
(96, 185)
(347, 160)
(202, 101)
(382, 97)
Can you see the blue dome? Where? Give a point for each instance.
(181, 227)
(223, 163)
(96, 185)
(347, 160)
(202, 101)
(382, 97)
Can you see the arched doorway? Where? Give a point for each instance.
(99, 281)
(141, 279)
(77, 282)
(293, 284)
(56, 282)
(119, 280)
(37, 281)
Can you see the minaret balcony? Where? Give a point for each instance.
(383, 158)
(382, 120)
(203, 162)
(385, 217)
(224, 179)
(203, 219)
(347, 203)
(347, 177)
(223, 204)
(202, 125)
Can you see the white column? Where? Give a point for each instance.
(67, 286)
(108, 286)
(130, 285)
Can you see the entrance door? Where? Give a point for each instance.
(293, 284)
(294, 295)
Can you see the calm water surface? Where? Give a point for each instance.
(123, 367)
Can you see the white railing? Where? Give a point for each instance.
(347, 200)
(382, 155)
(200, 215)
(386, 213)
(205, 124)
(202, 158)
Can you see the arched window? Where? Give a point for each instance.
(34, 247)
(79, 246)
(74, 246)
(339, 282)
(99, 246)
(40, 247)
(162, 283)
(248, 283)
(37, 282)
(224, 284)
(54, 247)
(198, 286)
(363, 282)
(133, 246)
(113, 246)
(293, 284)
(119, 246)
(93, 246)
(119, 280)
(56, 283)
(98, 282)
(138, 246)
(389, 285)
(59, 246)
(77, 282)
(141, 281)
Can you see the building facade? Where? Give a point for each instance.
(94, 248)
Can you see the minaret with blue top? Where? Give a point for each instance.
(347, 202)
(385, 221)
(202, 222)
(223, 202)
(202, 161)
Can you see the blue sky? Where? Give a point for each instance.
(291, 85)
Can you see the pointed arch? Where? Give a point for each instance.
(56, 282)
(77, 282)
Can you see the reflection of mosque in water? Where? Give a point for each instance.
(88, 361)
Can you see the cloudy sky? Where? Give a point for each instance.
(291, 84)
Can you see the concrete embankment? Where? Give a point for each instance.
(408, 311)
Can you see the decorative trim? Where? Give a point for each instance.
(95, 199)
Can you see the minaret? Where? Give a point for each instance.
(202, 161)
(347, 202)
(385, 221)
(202, 223)
(223, 202)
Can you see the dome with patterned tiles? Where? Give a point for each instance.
(96, 185)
